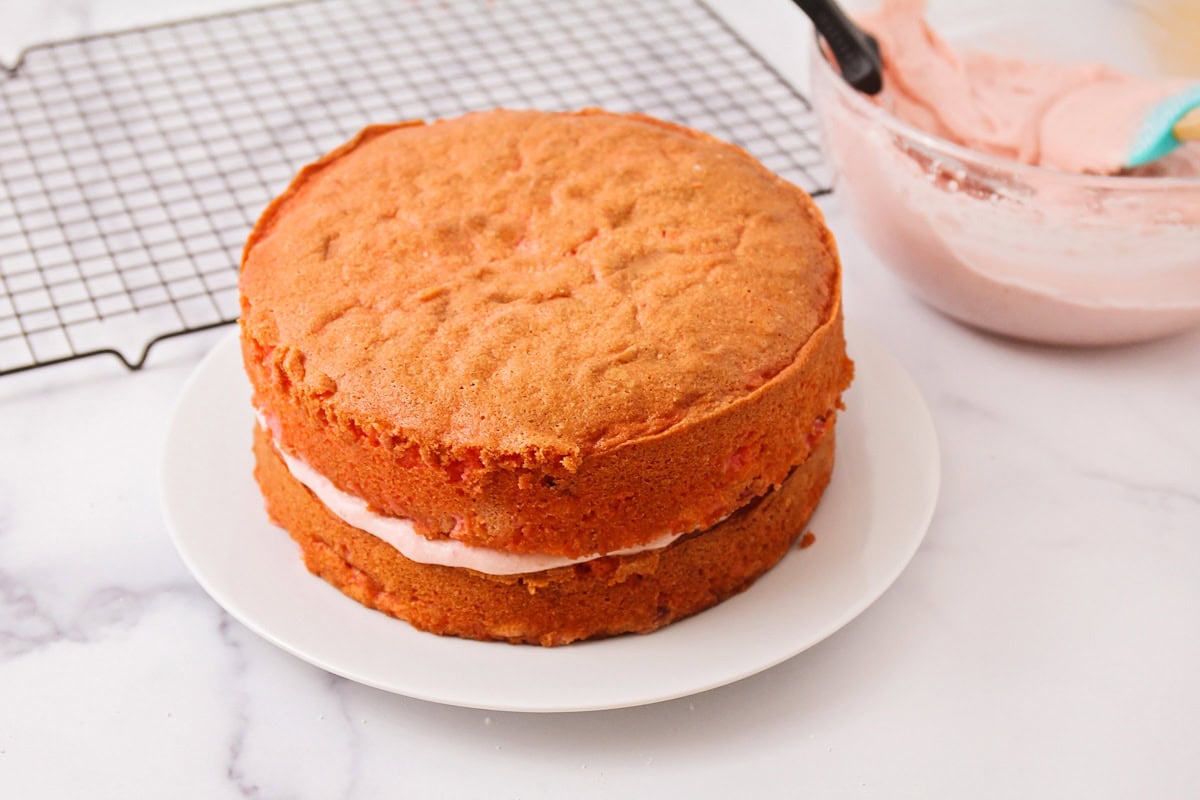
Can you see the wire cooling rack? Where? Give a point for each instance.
(132, 165)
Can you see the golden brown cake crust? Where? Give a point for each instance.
(628, 594)
(578, 332)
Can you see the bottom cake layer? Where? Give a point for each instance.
(606, 596)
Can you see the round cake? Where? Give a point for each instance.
(542, 377)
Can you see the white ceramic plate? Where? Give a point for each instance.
(873, 516)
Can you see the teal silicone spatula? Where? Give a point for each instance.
(1169, 124)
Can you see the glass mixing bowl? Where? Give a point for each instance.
(1024, 251)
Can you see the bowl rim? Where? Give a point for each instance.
(1083, 180)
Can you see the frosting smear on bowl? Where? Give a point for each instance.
(1069, 117)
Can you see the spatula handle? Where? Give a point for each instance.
(856, 52)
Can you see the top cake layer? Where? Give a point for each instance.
(557, 285)
(564, 334)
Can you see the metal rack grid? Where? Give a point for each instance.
(132, 165)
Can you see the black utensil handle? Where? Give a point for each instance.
(856, 51)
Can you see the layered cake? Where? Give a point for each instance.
(542, 377)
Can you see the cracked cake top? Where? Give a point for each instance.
(536, 283)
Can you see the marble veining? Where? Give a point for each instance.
(353, 734)
(26, 626)
(234, 770)
(23, 625)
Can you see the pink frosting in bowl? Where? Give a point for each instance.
(1073, 117)
(963, 206)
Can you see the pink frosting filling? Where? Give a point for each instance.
(400, 534)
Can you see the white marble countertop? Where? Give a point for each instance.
(1045, 640)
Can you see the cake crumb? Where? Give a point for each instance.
(807, 540)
